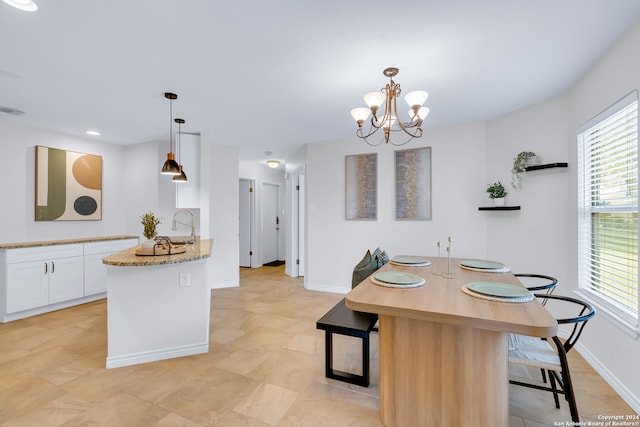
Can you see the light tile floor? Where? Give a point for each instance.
(265, 367)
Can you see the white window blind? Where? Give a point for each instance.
(608, 208)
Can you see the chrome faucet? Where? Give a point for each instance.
(174, 222)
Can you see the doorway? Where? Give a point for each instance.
(270, 223)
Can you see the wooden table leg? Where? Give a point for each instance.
(433, 374)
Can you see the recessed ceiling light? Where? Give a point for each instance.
(26, 5)
(93, 133)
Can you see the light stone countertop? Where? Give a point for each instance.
(63, 242)
(127, 258)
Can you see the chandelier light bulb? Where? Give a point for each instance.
(374, 99)
(360, 115)
(422, 113)
(417, 97)
(26, 5)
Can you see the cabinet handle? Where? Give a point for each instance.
(53, 267)
(46, 268)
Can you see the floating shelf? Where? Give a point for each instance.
(547, 166)
(499, 208)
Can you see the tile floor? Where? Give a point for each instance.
(265, 367)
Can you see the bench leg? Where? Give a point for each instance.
(361, 380)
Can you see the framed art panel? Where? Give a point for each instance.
(361, 177)
(413, 184)
(68, 185)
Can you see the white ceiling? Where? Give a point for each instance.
(273, 75)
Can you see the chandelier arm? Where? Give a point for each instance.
(411, 136)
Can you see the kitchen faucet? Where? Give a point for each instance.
(192, 225)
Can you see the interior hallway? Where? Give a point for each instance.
(265, 367)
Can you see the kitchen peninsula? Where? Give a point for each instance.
(157, 306)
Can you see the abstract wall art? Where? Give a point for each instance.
(361, 177)
(68, 185)
(413, 184)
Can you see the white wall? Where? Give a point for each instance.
(220, 180)
(335, 245)
(262, 174)
(612, 351)
(534, 239)
(17, 190)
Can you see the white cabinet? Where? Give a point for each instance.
(95, 272)
(38, 279)
(43, 275)
(27, 285)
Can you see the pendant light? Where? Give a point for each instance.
(181, 177)
(170, 166)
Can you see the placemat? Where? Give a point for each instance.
(393, 285)
(504, 269)
(517, 300)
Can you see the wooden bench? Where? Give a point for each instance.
(344, 321)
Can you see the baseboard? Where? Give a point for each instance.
(626, 395)
(154, 356)
(52, 307)
(335, 290)
(222, 285)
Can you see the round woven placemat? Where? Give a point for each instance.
(393, 285)
(522, 299)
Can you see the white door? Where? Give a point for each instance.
(246, 206)
(270, 223)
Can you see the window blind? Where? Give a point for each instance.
(608, 207)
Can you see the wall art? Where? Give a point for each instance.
(361, 177)
(413, 184)
(68, 185)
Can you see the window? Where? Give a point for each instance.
(608, 209)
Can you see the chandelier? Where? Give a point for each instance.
(389, 120)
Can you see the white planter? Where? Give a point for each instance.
(498, 202)
(148, 244)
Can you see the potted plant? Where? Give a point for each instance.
(497, 192)
(521, 161)
(150, 223)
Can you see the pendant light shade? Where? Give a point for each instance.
(181, 176)
(170, 166)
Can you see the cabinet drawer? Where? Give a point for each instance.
(43, 252)
(108, 246)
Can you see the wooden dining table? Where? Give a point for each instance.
(443, 353)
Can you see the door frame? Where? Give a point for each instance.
(298, 227)
(252, 216)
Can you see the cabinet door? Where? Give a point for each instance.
(27, 285)
(95, 274)
(66, 277)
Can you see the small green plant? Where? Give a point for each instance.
(496, 190)
(517, 171)
(150, 223)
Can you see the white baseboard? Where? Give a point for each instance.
(222, 285)
(52, 307)
(626, 395)
(154, 356)
(335, 290)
